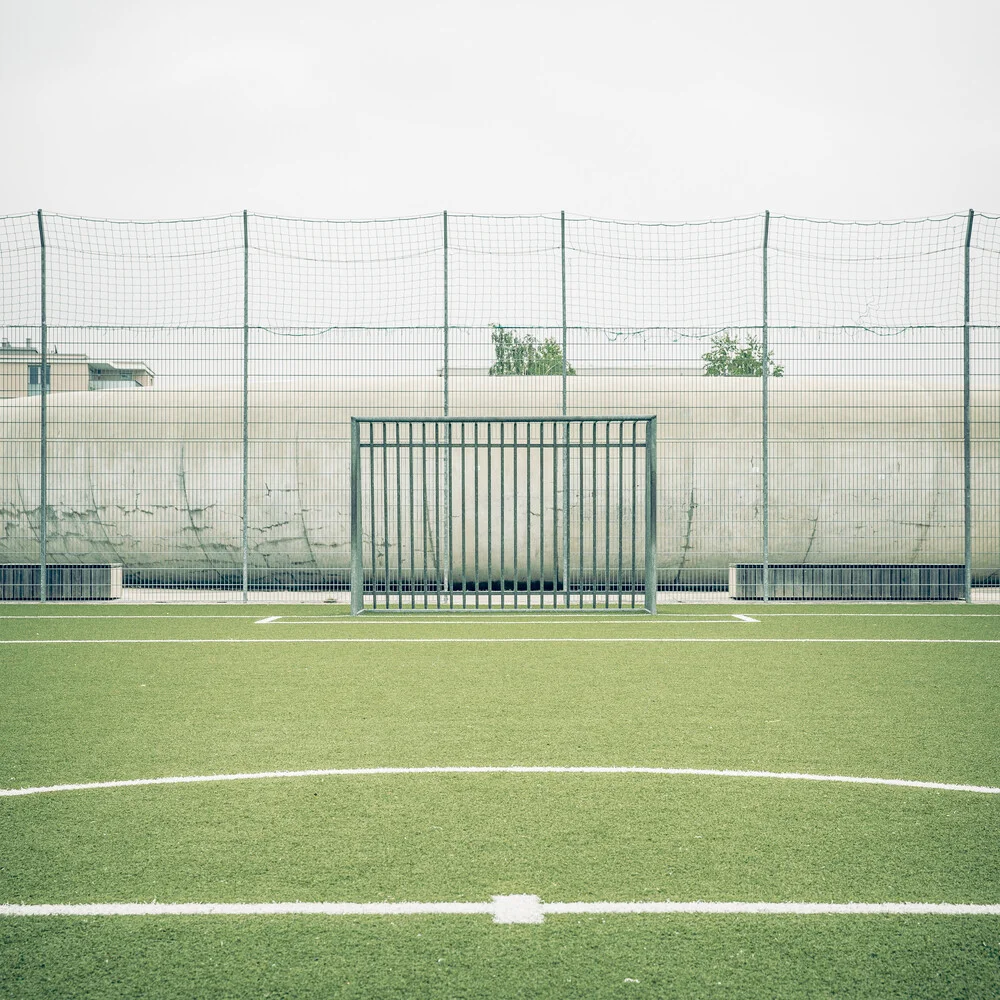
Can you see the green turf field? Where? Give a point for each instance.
(105, 695)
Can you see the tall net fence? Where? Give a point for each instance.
(177, 396)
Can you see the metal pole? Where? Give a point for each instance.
(565, 372)
(448, 469)
(246, 404)
(444, 371)
(562, 247)
(765, 470)
(43, 497)
(371, 512)
(967, 415)
(566, 527)
(357, 580)
(650, 564)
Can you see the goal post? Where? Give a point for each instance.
(503, 512)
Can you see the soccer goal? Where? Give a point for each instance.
(503, 512)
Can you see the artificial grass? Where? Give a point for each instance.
(86, 712)
(467, 958)
(468, 837)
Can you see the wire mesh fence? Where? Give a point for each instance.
(177, 396)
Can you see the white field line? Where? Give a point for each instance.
(505, 617)
(626, 615)
(475, 640)
(876, 614)
(658, 620)
(350, 772)
(458, 617)
(508, 616)
(169, 614)
(512, 909)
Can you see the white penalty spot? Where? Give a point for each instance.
(519, 909)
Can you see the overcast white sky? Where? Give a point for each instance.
(655, 110)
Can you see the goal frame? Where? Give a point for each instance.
(425, 461)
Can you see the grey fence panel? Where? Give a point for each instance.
(866, 423)
(20, 466)
(984, 350)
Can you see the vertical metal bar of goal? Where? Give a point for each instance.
(357, 572)
(580, 487)
(566, 520)
(399, 521)
(475, 513)
(43, 428)
(489, 515)
(607, 514)
(503, 504)
(448, 581)
(371, 507)
(967, 416)
(593, 524)
(527, 519)
(650, 565)
(514, 511)
(413, 542)
(631, 573)
(556, 547)
(621, 509)
(464, 505)
(423, 510)
(541, 515)
(385, 506)
(437, 550)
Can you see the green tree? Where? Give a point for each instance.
(524, 355)
(729, 356)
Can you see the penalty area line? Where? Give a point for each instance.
(486, 769)
(508, 909)
(602, 619)
(476, 640)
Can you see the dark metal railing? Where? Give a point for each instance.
(503, 512)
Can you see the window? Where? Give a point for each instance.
(35, 379)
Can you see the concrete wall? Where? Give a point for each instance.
(860, 470)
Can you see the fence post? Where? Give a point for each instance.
(444, 371)
(562, 249)
(650, 563)
(43, 441)
(765, 469)
(565, 372)
(448, 463)
(967, 415)
(246, 405)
